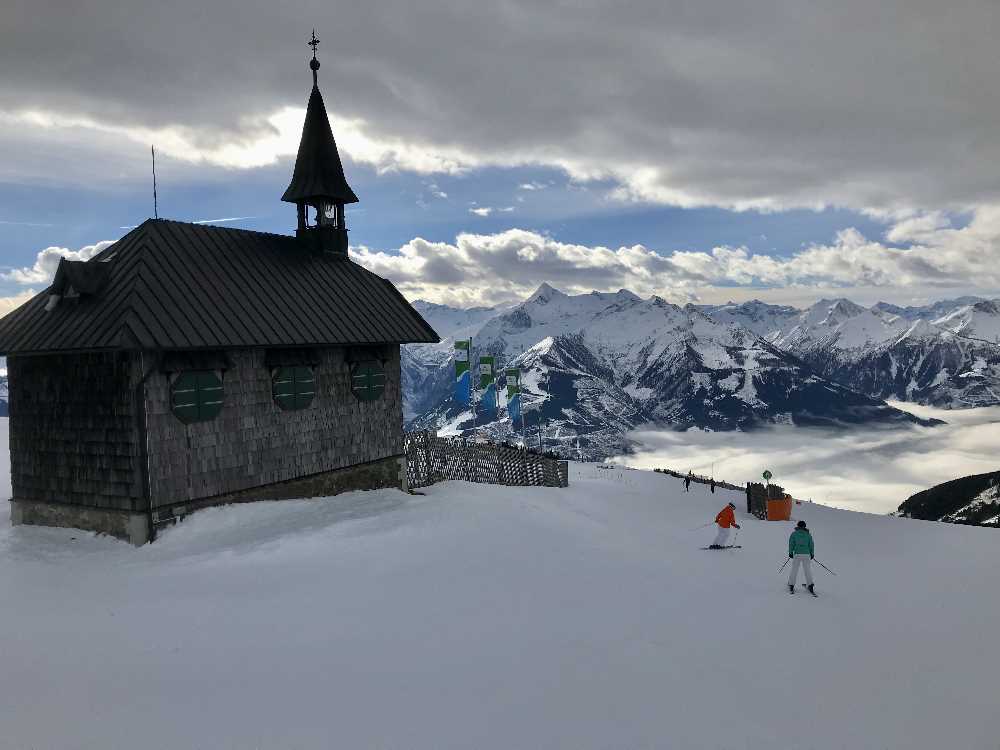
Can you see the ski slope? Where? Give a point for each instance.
(492, 617)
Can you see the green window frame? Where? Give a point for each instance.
(293, 387)
(368, 380)
(197, 396)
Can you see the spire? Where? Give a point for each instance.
(319, 174)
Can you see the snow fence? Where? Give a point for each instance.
(431, 459)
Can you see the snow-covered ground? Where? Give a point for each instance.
(493, 617)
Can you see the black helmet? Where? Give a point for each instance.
(732, 505)
(800, 525)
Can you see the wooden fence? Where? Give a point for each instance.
(431, 459)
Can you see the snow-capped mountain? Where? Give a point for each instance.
(947, 359)
(426, 370)
(980, 320)
(599, 364)
(763, 319)
(834, 325)
(927, 312)
(452, 322)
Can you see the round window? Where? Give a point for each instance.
(196, 396)
(293, 387)
(368, 380)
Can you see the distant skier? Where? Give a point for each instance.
(725, 520)
(801, 551)
(712, 485)
(687, 482)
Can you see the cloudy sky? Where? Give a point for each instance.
(779, 149)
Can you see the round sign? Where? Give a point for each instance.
(767, 474)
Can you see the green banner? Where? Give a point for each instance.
(485, 371)
(513, 382)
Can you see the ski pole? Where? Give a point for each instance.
(783, 566)
(737, 536)
(702, 526)
(824, 567)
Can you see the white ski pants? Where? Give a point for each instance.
(805, 561)
(722, 537)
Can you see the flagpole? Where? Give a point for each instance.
(472, 392)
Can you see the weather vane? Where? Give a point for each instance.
(314, 63)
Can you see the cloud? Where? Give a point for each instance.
(263, 141)
(47, 260)
(918, 227)
(716, 103)
(11, 303)
(508, 265)
(866, 469)
(487, 269)
(484, 211)
(497, 268)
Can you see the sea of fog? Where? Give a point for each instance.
(866, 468)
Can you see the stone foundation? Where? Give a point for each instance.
(134, 527)
(129, 526)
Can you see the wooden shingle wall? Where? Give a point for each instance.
(252, 442)
(73, 430)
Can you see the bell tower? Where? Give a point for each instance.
(318, 184)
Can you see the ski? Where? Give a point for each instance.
(728, 546)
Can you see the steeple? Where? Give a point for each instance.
(318, 181)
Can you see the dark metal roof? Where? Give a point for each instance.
(173, 285)
(318, 171)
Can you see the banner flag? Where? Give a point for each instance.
(463, 393)
(485, 371)
(488, 403)
(513, 394)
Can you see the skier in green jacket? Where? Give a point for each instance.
(801, 551)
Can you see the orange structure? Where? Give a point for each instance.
(779, 509)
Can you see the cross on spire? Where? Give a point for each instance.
(314, 63)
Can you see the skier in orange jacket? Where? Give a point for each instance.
(726, 520)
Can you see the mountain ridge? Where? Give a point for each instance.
(613, 362)
(972, 500)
